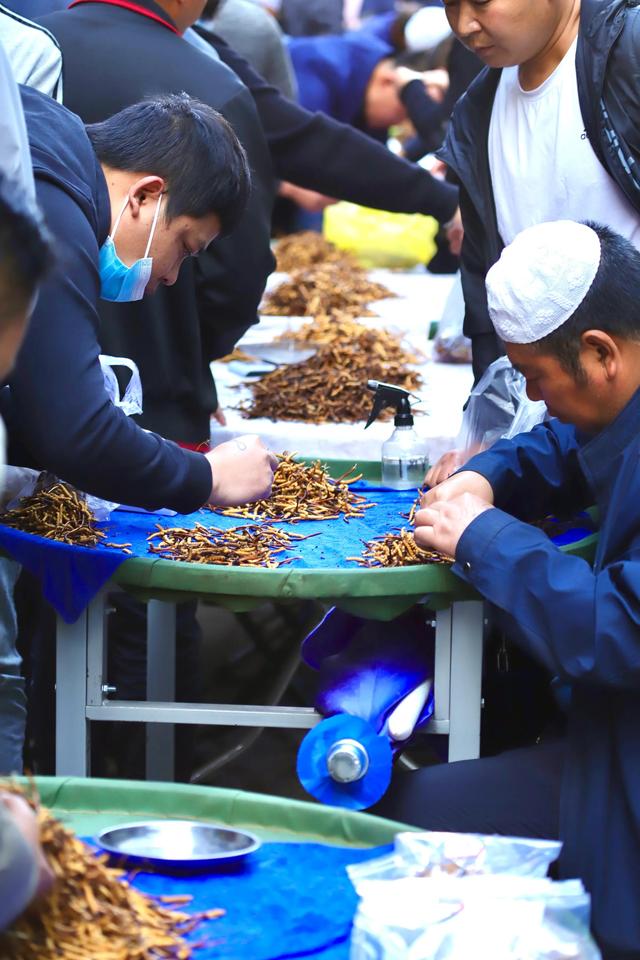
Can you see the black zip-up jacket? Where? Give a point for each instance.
(113, 57)
(315, 151)
(55, 406)
(608, 68)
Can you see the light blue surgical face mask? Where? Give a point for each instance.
(118, 282)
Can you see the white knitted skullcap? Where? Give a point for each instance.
(426, 29)
(541, 278)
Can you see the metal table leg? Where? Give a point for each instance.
(161, 686)
(72, 727)
(467, 629)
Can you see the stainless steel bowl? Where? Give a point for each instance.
(177, 843)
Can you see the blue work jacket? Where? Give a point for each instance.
(583, 623)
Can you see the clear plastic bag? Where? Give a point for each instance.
(498, 407)
(446, 896)
(450, 344)
(435, 853)
(484, 918)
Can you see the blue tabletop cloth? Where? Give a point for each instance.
(71, 576)
(285, 900)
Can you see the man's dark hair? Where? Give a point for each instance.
(211, 8)
(612, 302)
(25, 250)
(187, 143)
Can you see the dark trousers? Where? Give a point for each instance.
(516, 793)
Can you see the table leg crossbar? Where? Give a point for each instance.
(82, 695)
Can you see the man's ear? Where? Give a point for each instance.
(603, 350)
(143, 190)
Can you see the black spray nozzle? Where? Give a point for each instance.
(388, 395)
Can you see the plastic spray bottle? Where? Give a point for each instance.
(404, 454)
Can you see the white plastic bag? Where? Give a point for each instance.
(131, 402)
(450, 344)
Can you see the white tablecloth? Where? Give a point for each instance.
(421, 299)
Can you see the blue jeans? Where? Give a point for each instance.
(13, 700)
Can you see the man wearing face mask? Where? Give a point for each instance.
(126, 203)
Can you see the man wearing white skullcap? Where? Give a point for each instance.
(565, 299)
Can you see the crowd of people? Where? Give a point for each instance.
(145, 147)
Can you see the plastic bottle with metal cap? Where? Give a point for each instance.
(404, 454)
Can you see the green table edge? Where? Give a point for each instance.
(89, 805)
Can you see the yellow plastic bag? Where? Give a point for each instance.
(379, 238)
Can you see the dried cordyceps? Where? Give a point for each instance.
(397, 549)
(326, 289)
(300, 250)
(91, 913)
(302, 492)
(331, 385)
(237, 354)
(59, 512)
(252, 546)
(343, 329)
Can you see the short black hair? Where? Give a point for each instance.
(612, 303)
(26, 252)
(211, 8)
(187, 143)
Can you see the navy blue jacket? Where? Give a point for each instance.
(333, 72)
(114, 56)
(607, 68)
(55, 407)
(583, 624)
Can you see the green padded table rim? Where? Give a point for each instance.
(89, 805)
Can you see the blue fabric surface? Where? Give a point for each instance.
(285, 900)
(71, 576)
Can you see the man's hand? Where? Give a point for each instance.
(454, 232)
(435, 82)
(309, 200)
(242, 471)
(219, 416)
(27, 823)
(467, 481)
(440, 525)
(446, 465)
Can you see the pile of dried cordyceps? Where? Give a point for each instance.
(326, 289)
(331, 385)
(302, 492)
(59, 512)
(251, 546)
(344, 329)
(297, 251)
(91, 913)
(397, 549)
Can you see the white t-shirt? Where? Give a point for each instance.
(542, 164)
